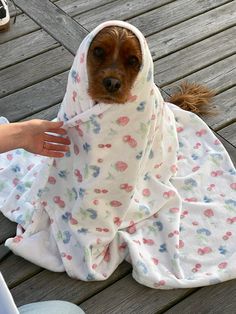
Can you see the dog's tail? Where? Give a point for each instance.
(193, 97)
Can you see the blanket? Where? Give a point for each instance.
(145, 182)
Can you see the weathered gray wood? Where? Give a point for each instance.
(37, 69)
(229, 133)
(46, 114)
(220, 77)
(193, 30)
(75, 7)
(55, 21)
(34, 98)
(172, 14)
(23, 25)
(25, 47)
(122, 10)
(50, 286)
(15, 270)
(4, 251)
(127, 296)
(217, 299)
(7, 228)
(195, 57)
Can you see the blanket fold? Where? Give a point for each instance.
(144, 182)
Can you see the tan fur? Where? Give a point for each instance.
(194, 97)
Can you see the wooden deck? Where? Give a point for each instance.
(193, 40)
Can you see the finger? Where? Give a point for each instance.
(51, 153)
(56, 139)
(55, 147)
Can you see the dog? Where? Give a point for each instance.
(113, 63)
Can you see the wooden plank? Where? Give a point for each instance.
(37, 68)
(29, 101)
(15, 270)
(193, 30)
(75, 7)
(127, 296)
(172, 14)
(195, 57)
(23, 25)
(50, 286)
(122, 10)
(46, 114)
(4, 251)
(55, 21)
(229, 133)
(25, 47)
(215, 299)
(7, 227)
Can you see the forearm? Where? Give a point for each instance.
(11, 136)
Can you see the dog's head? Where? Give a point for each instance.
(113, 63)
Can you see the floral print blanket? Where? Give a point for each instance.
(144, 182)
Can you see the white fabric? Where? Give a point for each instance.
(146, 182)
(7, 304)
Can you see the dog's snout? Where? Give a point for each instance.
(111, 84)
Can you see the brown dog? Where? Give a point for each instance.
(114, 60)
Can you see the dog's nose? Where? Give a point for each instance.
(111, 84)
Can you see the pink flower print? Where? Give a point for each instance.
(146, 192)
(51, 180)
(157, 166)
(216, 142)
(159, 284)
(74, 95)
(210, 187)
(126, 187)
(227, 235)
(95, 202)
(174, 210)
(9, 157)
(148, 241)
(197, 145)
(196, 268)
(73, 221)
(223, 265)
(131, 141)
(194, 169)
(82, 58)
(169, 194)
(216, 173)
(15, 181)
(94, 266)
(231, 220)
(122, 246)
(155, 260)
(233, 186)
(132, 98)
(209, 213)
(195, 223)
(30, 167)
(179, 129)
(57, 200)
(76, 149)
(122, 121)
(17, 197)
(117, 221)
(77, 173)
(173, 169)
(100, 160)
(191, 199)
(107, 255)
(205, 250)
(180, 157)
(158, 176)
(121, 166)
(132, 228)
(180, 245)
(104, 145)
(17, 239)
(201, 132)
(115, 203)
(80, 132)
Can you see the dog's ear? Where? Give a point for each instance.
(194, 97)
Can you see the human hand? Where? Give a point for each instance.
(35, 138)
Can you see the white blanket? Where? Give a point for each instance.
(144, 182)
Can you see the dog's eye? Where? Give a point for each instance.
(98, 52)
(133, 61)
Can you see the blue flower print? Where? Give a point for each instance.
(159, 225)
(204, 231)
(86, 147)
(206, 199)
(139, 156)
(92, 212)
(96, 171)
(141, 106)
(66, 237)
(66, 216)
(149, 76)
(222, 250)
(16, 168)
(142, 266)
(81, 193)
(82, 231)
(163, 248)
